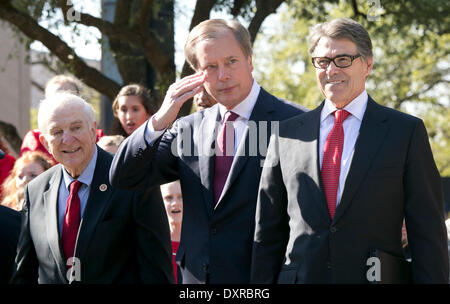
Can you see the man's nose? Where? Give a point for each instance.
(67, 137)
(332, 69)
(224, 74)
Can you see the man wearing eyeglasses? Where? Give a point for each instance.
(361, 168)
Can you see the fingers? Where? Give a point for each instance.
(186, 88)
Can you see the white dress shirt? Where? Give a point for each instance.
(351, 126)
(244, 110)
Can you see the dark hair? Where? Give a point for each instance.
(145, 97)
(342, 29)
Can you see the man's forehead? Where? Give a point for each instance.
(334, 46)
(207, 49)
(66, 116)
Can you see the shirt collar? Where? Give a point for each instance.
(244, 108)
(86, 176)
(356, 107)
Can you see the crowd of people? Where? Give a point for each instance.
(167, 200)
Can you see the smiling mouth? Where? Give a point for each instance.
(176, 211)
(335, 82)
(72, 151)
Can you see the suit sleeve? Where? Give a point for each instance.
(138, 165)
(272, 226)
(424, 212)
(26, 263)
(154, 250)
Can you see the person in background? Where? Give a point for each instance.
(6, 163)
(9, 235)
(57, 84)
(26, 168)
(110, 143)
(132, 107)
(202, 100)
(173, 201)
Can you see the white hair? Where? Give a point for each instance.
(59, 100)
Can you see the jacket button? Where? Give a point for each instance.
(213, 230)
(329, 266)
(333, 229)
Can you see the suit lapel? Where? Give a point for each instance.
(99, 198)
(51, 204)
(371, 134)
(249, 142)
(206, 143)
(308, 149)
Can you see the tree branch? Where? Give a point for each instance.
(75, 64)
(144, 40)
(237, 6)
(202, 12)
(263, 9)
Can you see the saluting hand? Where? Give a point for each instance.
(177, 94)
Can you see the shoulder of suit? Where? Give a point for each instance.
(396, 115)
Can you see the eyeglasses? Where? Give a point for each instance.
(341, 61)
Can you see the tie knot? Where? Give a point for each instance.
(230, 116)
(340, 116)
(75, 186)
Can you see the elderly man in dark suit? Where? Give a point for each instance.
(340, 179)
(219, 181)
(76, 227)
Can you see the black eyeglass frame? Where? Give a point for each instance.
(352, 57)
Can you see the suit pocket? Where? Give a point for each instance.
(287, 276)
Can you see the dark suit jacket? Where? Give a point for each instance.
(9, 235)
(123, 237)
(216, 244)
(392, 175)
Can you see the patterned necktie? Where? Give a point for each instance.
(331, 164)
(224, 154)
(71, 220)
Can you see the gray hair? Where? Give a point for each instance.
(58, 100)
(210, 29)
(342, 28)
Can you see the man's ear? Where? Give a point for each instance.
(369, 62)
(44, 142)
(94, 130)
(250, 62)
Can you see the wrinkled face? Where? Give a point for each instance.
(203, 100)
(228, 71)
(173, 201)
(70, 138)
(27, 173)
(341, 85)
(131, 113)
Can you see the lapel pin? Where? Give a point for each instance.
(103, 187)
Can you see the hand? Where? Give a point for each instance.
(177, 94)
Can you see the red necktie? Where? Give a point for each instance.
(71, 220)
(224, 154)
(331, 164)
